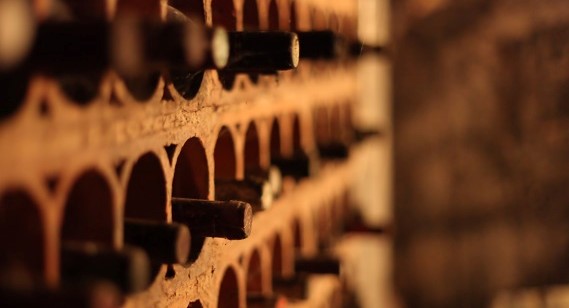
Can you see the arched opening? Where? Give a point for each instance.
(255, 274)
(297, 235)
(273, 15)
(349, 27)
(321, 125)
(21, 238)
(275, 143)
(293, 16)
(146, 195)
(146, 190)
(227, 79)
(318, 20)
(191, 180)
(81, 88)
(348, 122)
(336, 123)
(141, 86)
(277, 264)
(191, 175)
(89, 210)
(334, 23)
(186, 82)
(250, 15)
(334, 216)
(252, 148)
(195, 304)
(223, 14)
(251, 23)
(296, 142)
(324, 224)
(228, 296)
(224, 155)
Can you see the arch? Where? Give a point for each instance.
(191, 180)
(336, 124)
(321, 124)
(223, 14)
(250, 15)
(191, 175)
(228, 296)
(255, 273)
(277, 260)
(275, 142)
(296, 141)
(146, 194)
(318, 20)
(22, 255)
(252, 148)
(88, 214)
(80, 88)
(224, 155)
(142, 88)
(227, 79)
(293, 19)
(348, 121)
(146, 189)
(274, 15)
(185, 82)
(297, 234)
(323, 223)
(195, 304)
(334, 23)
(349, 27)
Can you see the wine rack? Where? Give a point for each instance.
(76, 165)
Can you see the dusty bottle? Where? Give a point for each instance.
(163, 242)
(84, 262)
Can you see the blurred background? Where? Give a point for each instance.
(481, 152)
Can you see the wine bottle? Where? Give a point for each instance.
(262, 51)
(299, 165)
(361, 134)
(333, 150)
(203, 48)
(357, 48)
(226, 219)
(272, 175)
(322, 44)
(163, 242)
(255, 191)
(354, 223)
(294, 287)
(320, 264)
(85, 262)
(177, 43)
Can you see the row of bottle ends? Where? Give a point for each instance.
(90, 270)
(134, 46)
